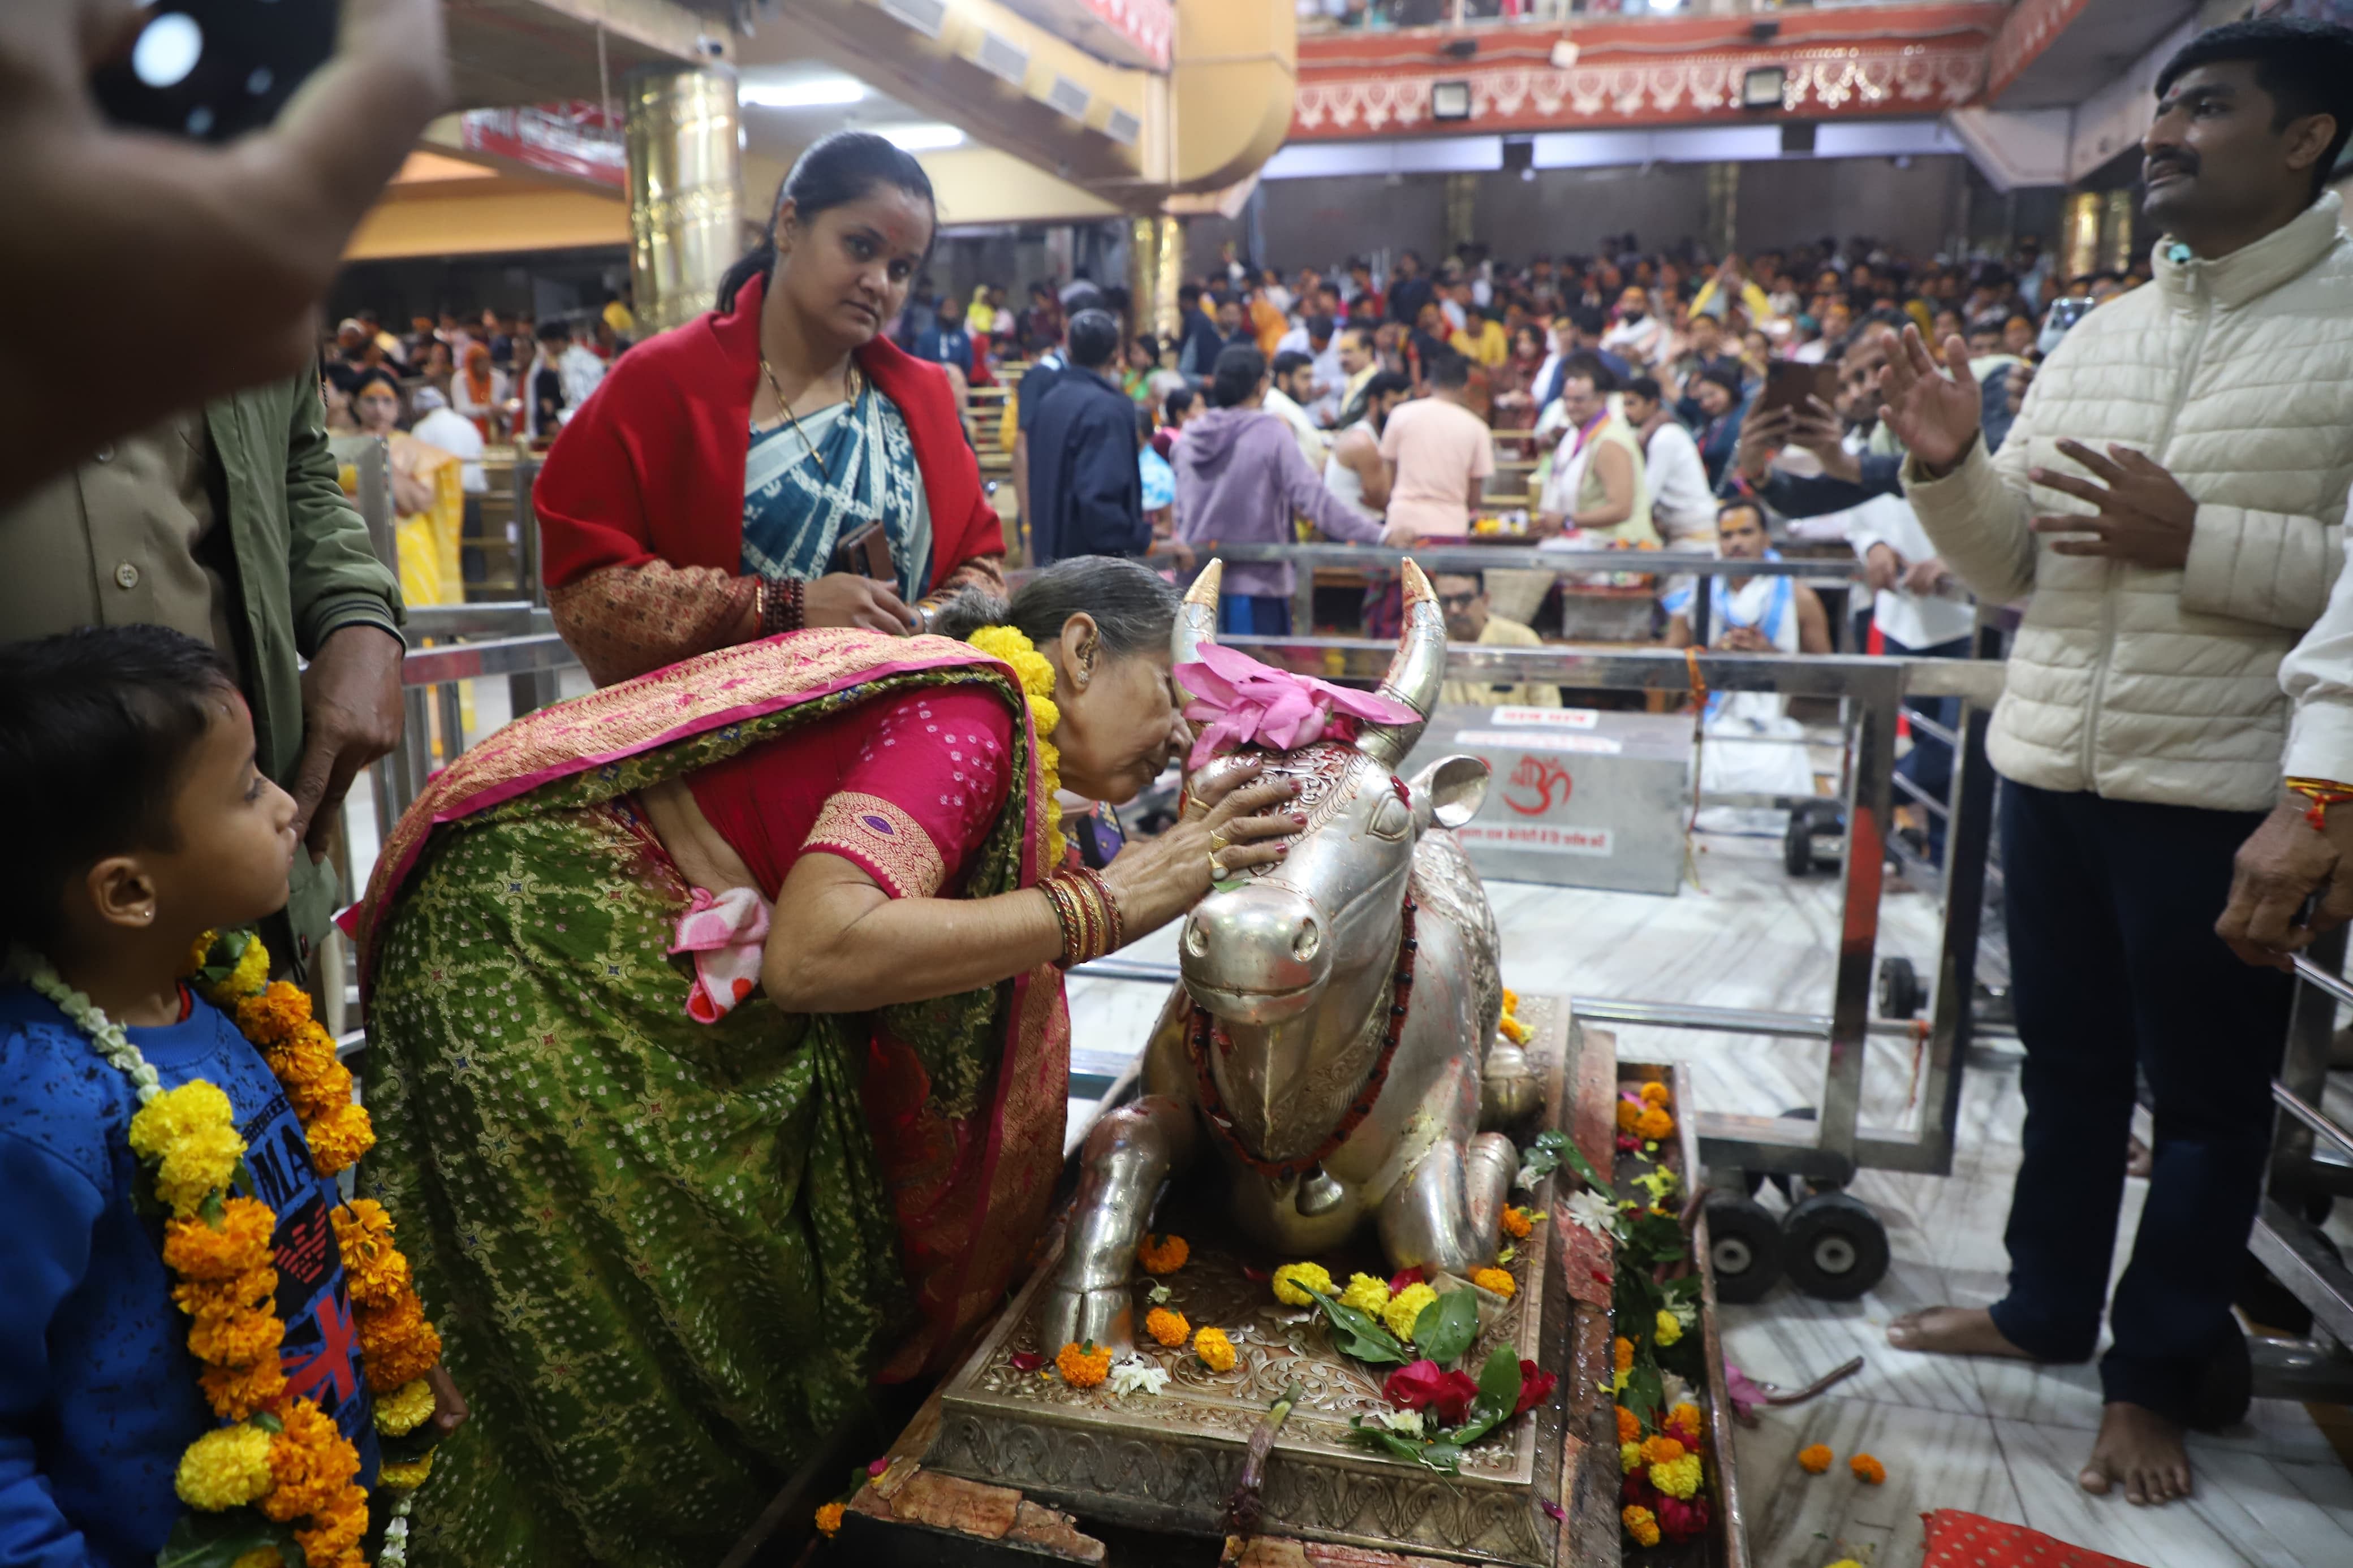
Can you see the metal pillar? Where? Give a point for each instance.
(1723, 207)
(1155, 266)
(685, 191)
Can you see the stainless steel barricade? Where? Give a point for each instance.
(2312, 1164)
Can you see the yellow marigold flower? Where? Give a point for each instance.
(251, 972)
(1655, 1093)
(404, 1410)
(407, 1477)
(1626, 1114)
(234, 1338)
(1630, 1456)
(225, 1469)
(1169, 1327)
(1662, 1450)
(1216, 1350)
(195, 1165)
(198, 950)
(1298, 1284)
(1868, 1471)
(1163, 1254)
(1846, 1562)
(173, 1115)
(1669, 1328)
(1629, 1426)
(1621, 1354)
(238, 1245)
(1083, 1366)
(1654, 1125)
(828, 1519)
(1678, 1478)
(1618, 1380)
(1365, 1293)
(1511, 1029)
(274, 1017)
(1498, 1280)
(1639, 1524)
(236, 1392)
(1511, 1000)
(333, 1537)
(339, 1138)
(1405, 1309)
(309, 1463)
(260, 1557)
(1516, 1224)
(1814, 1459)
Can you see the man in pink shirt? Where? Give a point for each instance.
(1439, 454)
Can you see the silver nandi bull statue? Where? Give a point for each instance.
(1332, 1042)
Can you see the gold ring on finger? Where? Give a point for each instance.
(1217, 868)
(1218, 842)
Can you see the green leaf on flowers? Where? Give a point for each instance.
(1446, 1458)
(1358, 1334)
(1499, 1395)
(1447, 1326)
(201, 1540)
(1644, 1393)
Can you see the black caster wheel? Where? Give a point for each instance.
(1744, 1247)
(1901, 994)
(2226, 1388)
(1798, 845)
(1832, 1246)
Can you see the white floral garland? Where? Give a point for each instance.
(107, 1038)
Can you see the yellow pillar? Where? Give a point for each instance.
(685, 191)
(1156, 269)
(2079, 237)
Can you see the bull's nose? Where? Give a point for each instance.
(1256, 952)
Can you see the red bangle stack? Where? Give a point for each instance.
(781, 604)
(1087, 912)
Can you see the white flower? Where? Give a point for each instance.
(1132, 1374)
(1686, 1314)
(1159, 1294)
(1407, 1422)
(1525, 1182)
(1594, 1213)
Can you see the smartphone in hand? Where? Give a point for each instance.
(1788, 384)
(214, 69)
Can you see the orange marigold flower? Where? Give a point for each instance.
(274, 1017)
(1868, 1471)
(364, 1236)
(339, 1138)
(1662, 1450)
(1169, 1327)
(1083, 1366)
(1629, 1426)
(1498, 1280)
(247, 1293)
(1641, 1523)
(1511, 1000)
(1627, 1111)
(1163, 1254)
(335, 1529)
(309, 1463)
(320, 1093)
(1516, 1222)
(1216, 1350)
(1653, 1124)
(1655, 1093)
(239, 1245)
(309, 1054)
(1511, 1029)
(1814, 1459)
(235, 1338)
(828, 1519)
(1622, 1355)
(1684, 1422)
(236, 1392)
(397, 1344)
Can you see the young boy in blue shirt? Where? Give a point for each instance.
(141, 821)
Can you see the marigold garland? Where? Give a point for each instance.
(1036, 673)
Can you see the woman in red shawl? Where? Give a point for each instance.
(697, 500)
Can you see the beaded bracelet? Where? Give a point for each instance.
(782, 600)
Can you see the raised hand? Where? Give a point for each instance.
(1935, 415)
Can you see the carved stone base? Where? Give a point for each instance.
(1169, 1462)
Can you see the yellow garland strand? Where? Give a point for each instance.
(1036, 673)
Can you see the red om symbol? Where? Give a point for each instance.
(1543, 778)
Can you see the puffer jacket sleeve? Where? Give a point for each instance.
(1979, 514)
(2270, 567)
(2317, 677)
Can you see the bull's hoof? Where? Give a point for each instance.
(1509, 1089)
(1105, 1317)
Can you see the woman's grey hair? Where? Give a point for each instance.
(1135, 609)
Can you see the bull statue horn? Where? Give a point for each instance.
(1415, 674)
(1196, 617)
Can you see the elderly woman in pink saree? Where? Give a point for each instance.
(718, 1049)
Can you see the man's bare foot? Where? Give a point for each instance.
(2139, 1161)
(1951, 1331)
(2142, 1449)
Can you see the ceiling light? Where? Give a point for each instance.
(925, 138)
(814, 92)
(1450, 101)
(1763, 86)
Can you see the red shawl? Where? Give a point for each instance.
(651, 468)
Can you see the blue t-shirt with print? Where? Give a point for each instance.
(98, 1392)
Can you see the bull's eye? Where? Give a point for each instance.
(1391, 818)
(1195, 942)
(1303, 945)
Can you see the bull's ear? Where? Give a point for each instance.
(1449, 791)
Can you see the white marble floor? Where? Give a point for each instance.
(1995, 1438)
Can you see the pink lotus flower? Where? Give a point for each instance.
(1238, 702)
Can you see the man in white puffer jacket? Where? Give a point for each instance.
(2169, 502)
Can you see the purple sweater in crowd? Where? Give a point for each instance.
(1240, 476)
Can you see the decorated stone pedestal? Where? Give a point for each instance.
(1540, 1491)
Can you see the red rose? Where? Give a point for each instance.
(1404, 1277)
(1680, 1520)
(1421, 1386)
(1536, 1387)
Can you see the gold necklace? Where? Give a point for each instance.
(850, 395)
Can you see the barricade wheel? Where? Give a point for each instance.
(1900, 992)
(1744, 1247)
(1798, 844)
(1833, 1247)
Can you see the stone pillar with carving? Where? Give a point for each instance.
(686, 196)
